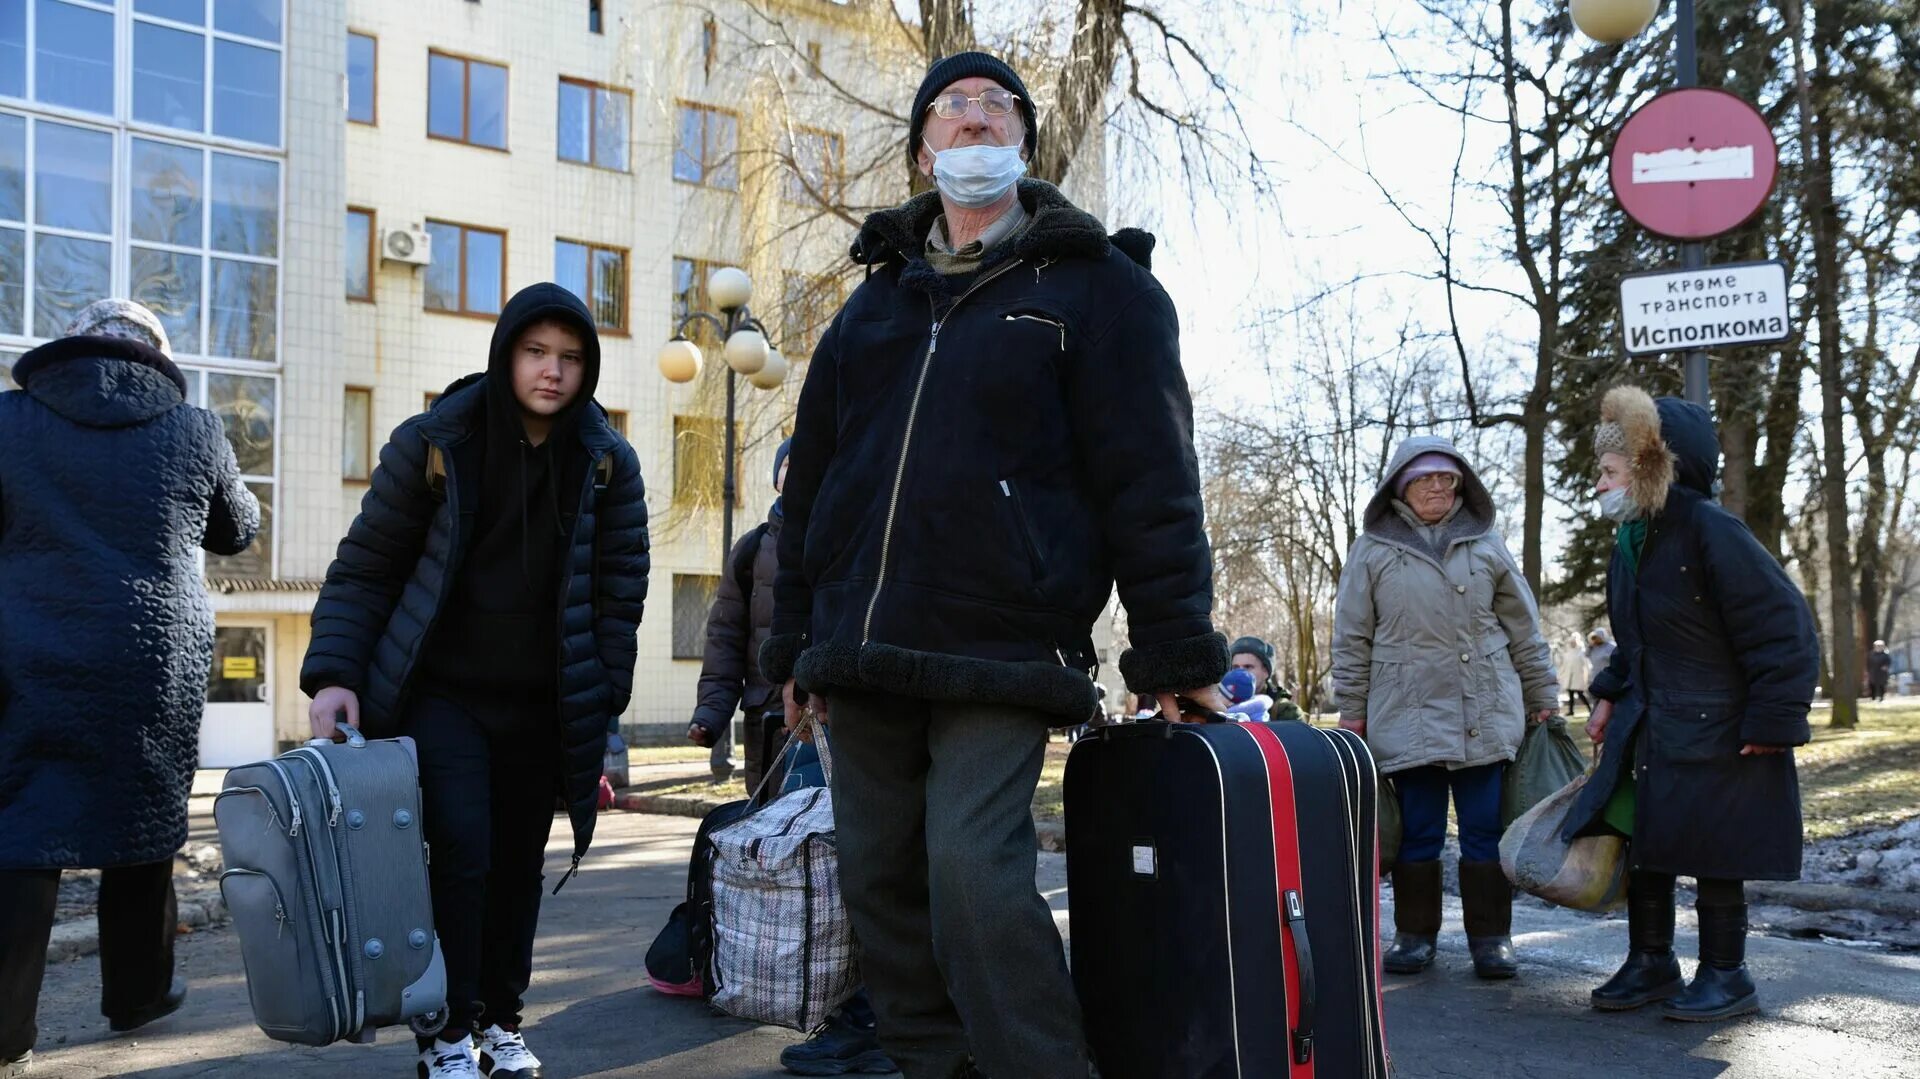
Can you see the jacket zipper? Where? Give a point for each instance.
(906, 443)
(1061, 326)
(1034, 560)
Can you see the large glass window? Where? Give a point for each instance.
(73, 55)
(466, 100)
(13, 48)
(692, 602)
(56, 191)
(596, 274)
(468, 275)
(248, 407)
(690, 294)
(204, 229)
(8, 359)
(363, 78)
(594, 124)
(356, 435)
(706, 149)
(176, 45)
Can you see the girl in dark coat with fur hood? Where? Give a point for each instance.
(1699, 707)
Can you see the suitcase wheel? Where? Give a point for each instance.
(429, 1024)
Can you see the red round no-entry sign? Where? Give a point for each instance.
(1694, 163)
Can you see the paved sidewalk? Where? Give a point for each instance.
(1832, 1011)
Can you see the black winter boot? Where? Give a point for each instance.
(1416, 917)
(1651, 972)
(1486, 902)
(1721, 987)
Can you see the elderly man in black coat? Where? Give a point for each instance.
(109, 487)
(1699, 707)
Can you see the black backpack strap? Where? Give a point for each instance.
(743, 560)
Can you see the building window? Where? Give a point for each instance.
(466, 101)
(596, 19)
(815, 171)
(594, 124)
(690, 295)
(176, 46)
(808, 303)
(598, 275)
(360, 239)
(205, 246)
(707, 144)
(356, 435)
(709, 45)
(427, 400)
(692, 601)
(698, 450)
(616, 418)
(56, 204)
(72, 49)
(468, 275)
(8, 359)
(363, 78)
(248, 407)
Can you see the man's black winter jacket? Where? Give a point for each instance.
(977, 461)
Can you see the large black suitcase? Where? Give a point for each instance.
(1224, 886)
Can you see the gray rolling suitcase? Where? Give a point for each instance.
(326, 880)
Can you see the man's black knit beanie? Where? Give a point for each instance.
(969, 65)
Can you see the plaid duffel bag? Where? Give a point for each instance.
(782, 944)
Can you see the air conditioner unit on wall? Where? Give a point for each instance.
(412, 244)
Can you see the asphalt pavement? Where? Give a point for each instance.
(1848, 1013)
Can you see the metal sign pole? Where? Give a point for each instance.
(1693, 255)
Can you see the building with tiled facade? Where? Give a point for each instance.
(238, 165)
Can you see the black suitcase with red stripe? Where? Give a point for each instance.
(1224, 901)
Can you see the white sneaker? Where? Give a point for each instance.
(448, 1060)
(504, 1055)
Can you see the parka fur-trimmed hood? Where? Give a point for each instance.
(1637, 418)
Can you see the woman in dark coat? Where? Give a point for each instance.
(1699, 706)
(109, 487)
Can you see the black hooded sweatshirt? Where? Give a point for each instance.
(499, 635)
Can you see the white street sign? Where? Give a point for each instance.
(1737, 303)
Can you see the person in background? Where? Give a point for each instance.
(1439, 663)
(485, 603)
(1244, 703)
(737, 625)
(110, 486)
(1574, 673)
(1879, 671)
(1255, 656)
(1599, 654)
(1698, 710)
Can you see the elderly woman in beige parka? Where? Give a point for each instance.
(1439, 663)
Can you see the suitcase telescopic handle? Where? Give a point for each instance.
(1309, 990)
(355, 740)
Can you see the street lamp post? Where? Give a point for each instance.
(746, 352)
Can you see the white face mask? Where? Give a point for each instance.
(976, 176)
(1617, 506)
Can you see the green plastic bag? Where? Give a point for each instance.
(1547, 762)
(1389, 825)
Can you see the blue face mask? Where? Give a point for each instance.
(976, 176)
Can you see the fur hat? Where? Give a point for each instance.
(121, 318)
(1630, 427)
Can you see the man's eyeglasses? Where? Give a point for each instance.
(1438, 481)
(992, 103)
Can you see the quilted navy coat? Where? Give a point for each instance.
(389, 581)
(109, 485)
(1717, 650)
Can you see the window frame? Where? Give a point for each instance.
(200, 387)
(346, 477)
(707, 167)
(373, 252)
(464, 311)
(466, 101)
(374, 91)
(835, 186)
(593, 89)
(624, 329)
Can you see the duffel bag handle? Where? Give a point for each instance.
(811, 720)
